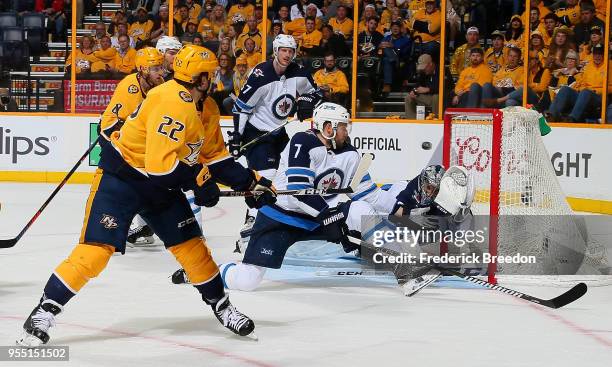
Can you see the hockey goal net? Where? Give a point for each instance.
(518, 192)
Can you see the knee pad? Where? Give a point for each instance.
(85, 262)
(242, 277)
(194, 256)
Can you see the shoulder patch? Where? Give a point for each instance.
(185, 96)
(133, 89)
(258, 73)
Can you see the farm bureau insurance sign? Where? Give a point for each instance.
(92, 96)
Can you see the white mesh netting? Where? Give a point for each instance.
(535, 218)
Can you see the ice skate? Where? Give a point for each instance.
(232, 319)
(36, 327)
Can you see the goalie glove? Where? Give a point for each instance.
(265, 192)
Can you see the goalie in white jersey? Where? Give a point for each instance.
(321, 158)
(274, 91)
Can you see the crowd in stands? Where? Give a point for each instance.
(398, 47)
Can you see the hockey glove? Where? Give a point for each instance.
(333, 222)
(305, 106)
(265, 192)
(206, 191)
(234, 143)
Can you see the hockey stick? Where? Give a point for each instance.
(11, 242)
(568, 297)
(245, 146)
(360, 172)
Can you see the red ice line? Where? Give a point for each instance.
(159, 340)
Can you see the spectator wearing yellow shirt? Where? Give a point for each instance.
(559, 47)
(311, 40)
(462, 56)
(105, 56)
(332, 81)
(84, 55)
(570, 15)
(426, 25)
(240, 77)
(261, 25)
(550, 24)
(495, 56)
(125, 59)
(243, 8)
(369, 13)
(253, 56)
(468, 90)
(341, 24)
(505, 81)
(539, 79)
(536, 44)
(141, 29)
(251, 31)
(297, 27)
(514, 37)
(585, 49)
(194, 10)
(584, 97)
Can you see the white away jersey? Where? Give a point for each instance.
(307, 163)
(266, 100)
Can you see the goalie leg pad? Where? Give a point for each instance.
(85, 262)
(195, 258)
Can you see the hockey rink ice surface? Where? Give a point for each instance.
(131, 315)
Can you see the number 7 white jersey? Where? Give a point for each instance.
(267, 99)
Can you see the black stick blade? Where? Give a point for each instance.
(8, 243)
(570, 296)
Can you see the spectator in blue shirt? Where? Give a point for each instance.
(396, 48)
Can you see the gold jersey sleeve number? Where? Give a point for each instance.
(170, 127)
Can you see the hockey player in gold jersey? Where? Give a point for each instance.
(129, 93)
(154, 156)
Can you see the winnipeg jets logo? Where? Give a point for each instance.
(282, 107)
(194, 151)
(330, 179)
(109, 221)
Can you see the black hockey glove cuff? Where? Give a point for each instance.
(305, 106)
(206, 191)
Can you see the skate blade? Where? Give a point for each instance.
(252, 336)
(143, 242)
(28, 341)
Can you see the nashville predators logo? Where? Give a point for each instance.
(282, 107)
(133, 89)
(185, 96)
(109, 221)
(194, 151)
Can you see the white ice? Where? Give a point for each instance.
(131, 315)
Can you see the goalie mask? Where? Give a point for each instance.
(456, 193)
(335, 115)
(429, 183)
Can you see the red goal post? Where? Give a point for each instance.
(480, 116)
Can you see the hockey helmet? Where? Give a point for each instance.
(191, 61)
(148, 57)
(429, 183)
(166, 43)
(332, 113)
(284, 40)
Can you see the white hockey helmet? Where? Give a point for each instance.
(166, 43)
(284, 40)
(456, 192)
(332, 113)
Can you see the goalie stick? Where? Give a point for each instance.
(564, 299)
(13, 241)
(360, 172)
